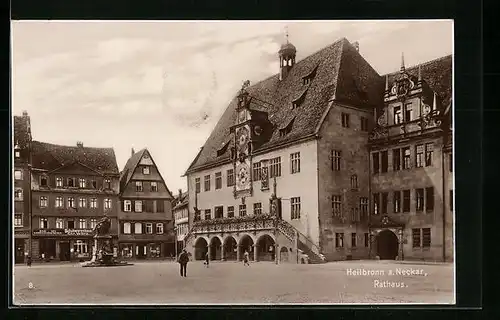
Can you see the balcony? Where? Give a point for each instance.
(404, 129)
(240, 224)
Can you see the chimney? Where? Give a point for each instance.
(79, 144)
(180, 193)
(356, 45)
(132, 151)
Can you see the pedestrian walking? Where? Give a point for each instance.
(183, 261)
(207, 259)
(28, 261)
(245, 259)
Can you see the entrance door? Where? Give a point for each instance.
(64, 253)
(387, 245)
(141, 251)
(19, 248)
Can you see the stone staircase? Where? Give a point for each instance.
(303, 242)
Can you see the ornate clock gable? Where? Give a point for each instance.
(243, 144)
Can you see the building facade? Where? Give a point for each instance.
(145, 215)
(72, 188)
(288, 170)
(411, 157)
(21, 186)
(181, 218)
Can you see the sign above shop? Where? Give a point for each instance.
(63, 232)
(78, 232)
(48, 232)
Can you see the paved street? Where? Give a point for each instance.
(231, 283)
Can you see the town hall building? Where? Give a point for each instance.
(328, 160)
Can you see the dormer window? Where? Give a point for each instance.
(107, 184)
(17, 154)
(223, 150)
(43, 181)
(297, 102)
(307, 79)
(287, 129)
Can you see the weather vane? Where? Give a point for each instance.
(286, 33)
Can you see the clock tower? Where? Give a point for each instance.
(243, 145)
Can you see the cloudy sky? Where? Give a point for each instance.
(163, 85)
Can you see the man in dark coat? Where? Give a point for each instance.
(183, 261)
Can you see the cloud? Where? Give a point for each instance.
(164, 85)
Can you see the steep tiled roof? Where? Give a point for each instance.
(438, 75)
(21, 132)
(130, 166)
(340, 72)
(52, 156)
(128, 171)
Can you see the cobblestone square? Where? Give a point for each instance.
(157, 283)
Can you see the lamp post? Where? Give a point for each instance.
(175, 240)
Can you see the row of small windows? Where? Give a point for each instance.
(357, 213)
(181, 214)
(72, 202)
(242, 210)
(421, 237)
(401, 158)
(339, 239)
(143, 206)
(424, 199)
(139, 186)
(274, 171)
(182, 229)
(74, 183)
(139, 227)
(346, 121)
(77, 223)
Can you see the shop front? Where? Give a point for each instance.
(64, 244)
(142, 250)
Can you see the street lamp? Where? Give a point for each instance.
(175, 240)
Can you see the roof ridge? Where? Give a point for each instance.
(75, 147)
(420, 64)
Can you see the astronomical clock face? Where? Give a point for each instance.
(243, 176)
(242, 139)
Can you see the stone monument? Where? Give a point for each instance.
(102, 251)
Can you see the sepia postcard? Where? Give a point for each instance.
(232, 162)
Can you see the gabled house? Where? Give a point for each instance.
(145, 214)
(72, 188)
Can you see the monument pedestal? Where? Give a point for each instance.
(103, 254)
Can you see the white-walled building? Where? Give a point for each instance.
(287, 167)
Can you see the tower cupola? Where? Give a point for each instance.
(287, 57)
